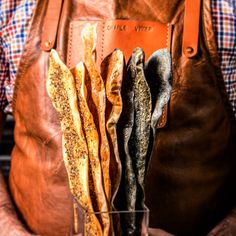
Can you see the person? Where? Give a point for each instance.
(15, 24)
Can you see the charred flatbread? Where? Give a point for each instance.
(139, 140)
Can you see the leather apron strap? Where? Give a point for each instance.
(191, 27)
(51, 23)
(190, 34)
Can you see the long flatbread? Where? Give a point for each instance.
(139, 140)
(126, 197)
(96, 187)
(61, 89)
(98, 101)
(112, 74)
(158, 74)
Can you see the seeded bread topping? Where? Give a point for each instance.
(95, 182)
(62, 91)
(99, 100)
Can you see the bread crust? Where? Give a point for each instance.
(139, 140)
(98, 98)
(112, 74)
(61, 89)
(96, 183)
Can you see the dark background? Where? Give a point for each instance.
(6, 145)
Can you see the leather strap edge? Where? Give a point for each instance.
(163, 118)
(191, 27)
(50, 25)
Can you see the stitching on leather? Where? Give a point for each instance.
(103, 38)
(70, 44)
(162, 120)
(167, 35)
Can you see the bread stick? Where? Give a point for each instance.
(112, 74)
(98, 98)
(61, 89)
(96, 188)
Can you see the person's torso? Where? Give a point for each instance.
(192, 166)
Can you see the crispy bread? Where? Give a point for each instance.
(97, 101)
(62, 91)
(96, 187)
(139, 140)
(112, 73)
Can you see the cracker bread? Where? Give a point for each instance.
(61, 89)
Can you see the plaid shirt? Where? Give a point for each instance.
(224, 23)
(15, 18)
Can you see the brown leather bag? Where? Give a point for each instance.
(190, 182)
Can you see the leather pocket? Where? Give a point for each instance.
(122, 34)
(125, 35)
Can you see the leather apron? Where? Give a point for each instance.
(191, 176)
